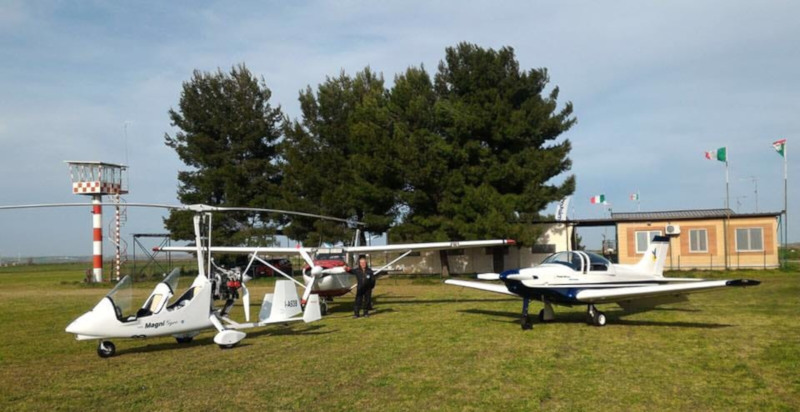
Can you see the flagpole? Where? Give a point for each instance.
(785, 201)
(638, 201)
(727, 205)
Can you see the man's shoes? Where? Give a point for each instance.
(366, 315)
(356, 316)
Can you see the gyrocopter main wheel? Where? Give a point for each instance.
(106, 349)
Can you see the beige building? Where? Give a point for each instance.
(701, 239)
(697, 241)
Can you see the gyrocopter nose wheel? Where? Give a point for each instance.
(106, 349)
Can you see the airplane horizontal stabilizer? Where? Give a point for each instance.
(489, 287)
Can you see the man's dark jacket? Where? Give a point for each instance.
(365, 278)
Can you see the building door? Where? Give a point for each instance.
(498, 259)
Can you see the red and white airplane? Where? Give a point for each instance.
(325, 274)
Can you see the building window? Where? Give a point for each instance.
(644, 238)
(749, 239)
(698, 240)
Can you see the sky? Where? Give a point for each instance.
(654, 85)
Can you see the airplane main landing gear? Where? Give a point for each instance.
(323, 308)
(595, 317)
(106, 349)
(526, 321)
(546, 314)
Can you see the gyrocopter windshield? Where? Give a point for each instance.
(172, 280)
(121, 296)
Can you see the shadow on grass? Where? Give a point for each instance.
(614, 318)
(209, 341)
(451, 300)
(347, 306)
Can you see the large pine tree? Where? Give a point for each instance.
(481, 150)
(228, 135)
(340, 158)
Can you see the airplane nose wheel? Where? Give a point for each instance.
(106, 349)
(525, 322)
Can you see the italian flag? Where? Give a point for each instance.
(720, 154)
(634, 196)
(599, 199)
(780, 147)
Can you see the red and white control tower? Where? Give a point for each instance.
(96, 179)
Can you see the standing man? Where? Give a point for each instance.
(365, 278)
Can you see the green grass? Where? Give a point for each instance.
(429, 346)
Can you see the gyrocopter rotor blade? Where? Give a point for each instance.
(197, 208)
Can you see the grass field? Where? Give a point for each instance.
(428, 347)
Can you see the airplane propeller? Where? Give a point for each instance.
(315, 272)
(246, 299)
(245, 291)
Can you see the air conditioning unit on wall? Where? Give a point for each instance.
(672, 230)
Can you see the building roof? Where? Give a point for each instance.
(667, 215)
(686, 215)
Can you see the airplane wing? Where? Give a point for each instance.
(488, 287)
(400, 247)
(414, 247)
(234, 249)
(647, 292)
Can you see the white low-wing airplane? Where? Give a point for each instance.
(327, 277)
(189, 314)
(584, 278)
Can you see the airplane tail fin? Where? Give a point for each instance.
(281, 305)
(653, 261)
(312, 312)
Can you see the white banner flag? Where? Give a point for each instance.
(561, 210)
